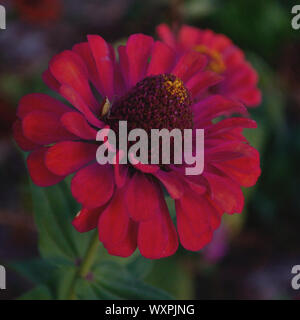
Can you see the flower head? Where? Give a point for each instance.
(224, 57)
(150, 87)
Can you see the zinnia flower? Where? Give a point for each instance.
(147, 85)
(224, 58)
(39, 11)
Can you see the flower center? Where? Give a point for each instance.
(157, 102)
(216, 62)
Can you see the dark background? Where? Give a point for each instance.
(252, 254)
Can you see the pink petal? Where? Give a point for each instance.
(67, 157)
(188, 37)
(22, 141)
(138, 49)
(165, 34)
(157, 237)
(229, 124)
(114, 222)
(188, 238)
(93, 186)
(40, 102)
(215, 106)
(124, 65)
(226, 193)
(87, 220)
(121, 172)
(84, 51)
(128, 245)
(39, 173)
(162, 59)
(141, 197)
(104, 62)
(50, 81)
(202, 81)
(77, 124)
(75, 99)
(44, 127)
(189, 64)
(69, 69)
(173, 183)
(193, 208)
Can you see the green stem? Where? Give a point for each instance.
(85, 265)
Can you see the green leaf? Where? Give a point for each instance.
(54, 210)
(111, 281)
(41, 292)
(36, 270)
(140, 267)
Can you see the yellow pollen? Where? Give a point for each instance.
(216, 62)
(176, 88)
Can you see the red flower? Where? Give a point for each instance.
(126, 202)
(39, 11)
(224, 58)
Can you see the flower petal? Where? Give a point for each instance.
(77, 124)
(104, 63)
(40, 102)
(215, 106)
(76, 100)
(188, 238)
(44, 127)
(21, 140)
(50, 81)
(39, 173)
(128, 245)
(165, 34)
(189, 64)
(138, 49)
(93, 185)
(114, 222)
(157, 237)
(141, 197)
(171, 180)
(162, 59)
(226, 193)
(69, 69)
(67, 157)
(87, 220)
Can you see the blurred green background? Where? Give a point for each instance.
(252, 254)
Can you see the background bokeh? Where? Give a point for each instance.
(252, 254)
